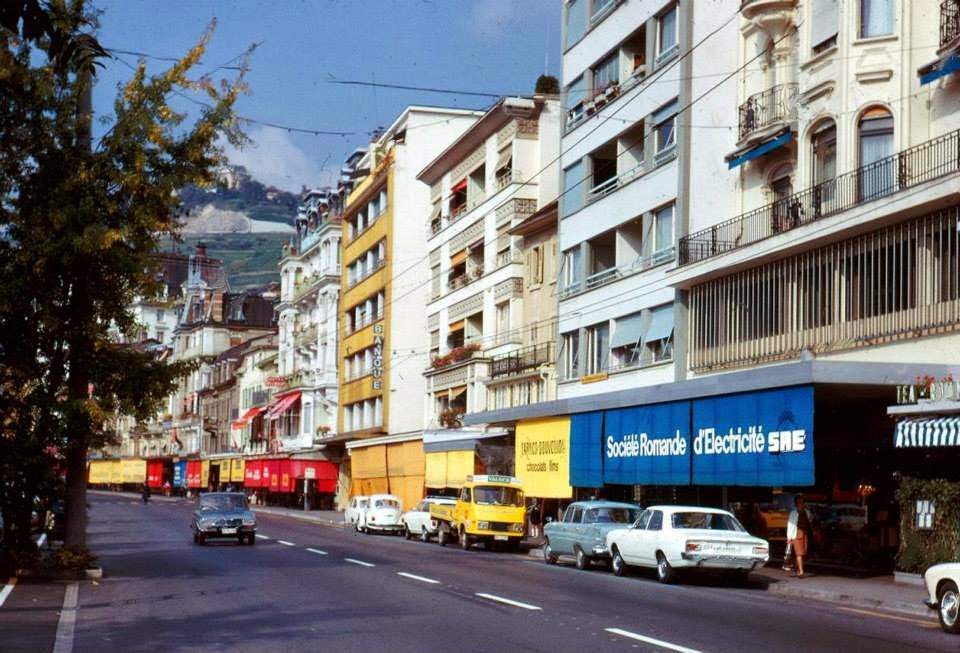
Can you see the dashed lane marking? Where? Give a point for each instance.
(360, 562)
(5, 592)
(500, 599)
(262, 537)
(884, 615)
(285, 543)
(422, 579)
(651, 640)
(317, 551)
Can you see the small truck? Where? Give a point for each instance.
(490, 509)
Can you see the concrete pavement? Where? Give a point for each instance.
(304, 587)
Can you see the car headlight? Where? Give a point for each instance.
(249, 522)
(483, 525)
(206, 523)
(516, 528)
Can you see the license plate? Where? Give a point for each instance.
(228, 531)
(501, 538)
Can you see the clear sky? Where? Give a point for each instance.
(492, 46)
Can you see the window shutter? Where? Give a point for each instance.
(825, 21)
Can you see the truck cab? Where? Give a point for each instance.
(490, 509)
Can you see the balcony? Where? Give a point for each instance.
(613, 183)
(949, 22)
(521, 361)
(506, 178)
(364, 321)
(377, 266)
(516, 209)
(777, 105)
(609, 275)
(465, 279)
(894, 174)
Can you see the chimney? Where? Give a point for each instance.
(201, 249)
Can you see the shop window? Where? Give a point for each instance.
(925, 514)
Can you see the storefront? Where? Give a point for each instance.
(134, 471)
(388, 465)
(179, 474)
(157, 473)
(450, 455)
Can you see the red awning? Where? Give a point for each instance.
(251, 473)
(282, 405)
(247, 416)
(462, 185)
(323, 473)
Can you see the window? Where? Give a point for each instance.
(576, 94)
(824, 149)
(656, 521)
(643, 520)
(667, 35)
(876, 148)
(663, 229)
(626, 345)
(659, 335)
(598, 348)
(606, 73)
(571, 355)
(825, 24)
(161, 334)
(503, 317)
(576, 20)
(876, 18)
(781, 189)
(535, 265)
(925, 514)
(573, 188)
(599, 8)
(665, 128)
(577, 515)
(572, 269)
(160, 315)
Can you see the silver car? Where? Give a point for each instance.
(583, 530)
(224, 515)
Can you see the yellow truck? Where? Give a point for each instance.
(490, 509)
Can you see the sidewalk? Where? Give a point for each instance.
(873, 593)
(332, 518)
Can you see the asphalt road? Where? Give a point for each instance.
(315, 588)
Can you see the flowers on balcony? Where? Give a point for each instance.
(455, 355)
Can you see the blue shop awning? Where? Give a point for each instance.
(739, 158)
(940, 69)
(928, 432)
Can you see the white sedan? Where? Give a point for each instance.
(382, 514)
(669, 538)
(417, 521)
(355, 512)
(942, 583)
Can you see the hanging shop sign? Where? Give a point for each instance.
(760, 438)
(378, 356)
(647, 445)
(543, 457)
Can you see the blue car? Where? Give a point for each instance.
(583, 531)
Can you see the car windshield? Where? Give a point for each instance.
(386, 503)
(223, 502)
(710, 521)
(497, 496)
(611, 516)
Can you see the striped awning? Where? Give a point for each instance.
(928, 432)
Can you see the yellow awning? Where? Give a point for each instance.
(99, 472)
(133, 470)
(236, 470)
(448, 468)
(543, 457)
(405, 459)
(409, 489)
(205, 474)
(459, 325)
(116, 472)
(368, 462)
(458, 258)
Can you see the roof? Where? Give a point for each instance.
(399, 123)
(603, 503)
(666, 508)
(543, 219)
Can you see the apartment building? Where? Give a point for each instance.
(488, 181)
(382, 298)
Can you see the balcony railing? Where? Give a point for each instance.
(506, 178)
(524, 360)
(761, 110)
(378, 265)
(508, 256)
(465, 279)
(922, 163)
(365, 320)
(949, 21)
(610, 275)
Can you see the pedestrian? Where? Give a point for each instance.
(535, 519)
(798, 532)
(145, 493)
(166, 488)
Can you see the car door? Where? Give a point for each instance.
(631, 541)
(649, 539)
(572, 519)
(416, 518)
(584, 533)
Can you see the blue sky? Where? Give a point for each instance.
(495, 46)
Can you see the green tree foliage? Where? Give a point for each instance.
(79, 223)
(919, 549)
(547, 85)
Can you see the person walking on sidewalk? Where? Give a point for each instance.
(798, 532)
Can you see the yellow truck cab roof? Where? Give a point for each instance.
(494, 479)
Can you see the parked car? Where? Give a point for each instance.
(417, 521)
(669, 538)
(942, 583)
(224, 515)
(490, 509)
(355, 512)
(383, 514)
(582, 532)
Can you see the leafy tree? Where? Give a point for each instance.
(547, 85)
(80, 222)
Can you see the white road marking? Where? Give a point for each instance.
(285, 543)
(68, 620)
(360, 562)
(500, 599)
(422, 579)
(5, 592)
(262, 537)
(317, 551)
(651, 640)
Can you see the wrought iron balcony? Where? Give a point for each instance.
(761, 110)
(949, 21)
(523, 360)
(919, 164)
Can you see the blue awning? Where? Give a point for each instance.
(948, 66)
(586, 449)
(760, 150)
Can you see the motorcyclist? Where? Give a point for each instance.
(145, 493)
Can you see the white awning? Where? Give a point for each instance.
(629, 331)
(661, 323)
(928, 432)
(458, 439)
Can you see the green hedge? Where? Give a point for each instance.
(921, 548)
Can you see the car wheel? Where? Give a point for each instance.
(424, 535)
(948, 606)
(406, 532)
(464, 540)
(201, 539)
(583, 562)
(251, 539)
(241, 539)
(548, 555)
(665, 572)
(617, 564)
(195, 540)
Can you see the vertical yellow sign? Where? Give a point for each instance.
(543, 457)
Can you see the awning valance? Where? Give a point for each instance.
(458, 258)
(282, 405)
(457, 326)
(247, 416)
(755, 151)
(941, 68)
(459, 186)
(928, 432)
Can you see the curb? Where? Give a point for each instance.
(136, 495)
(266, 510)
(827, 596)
